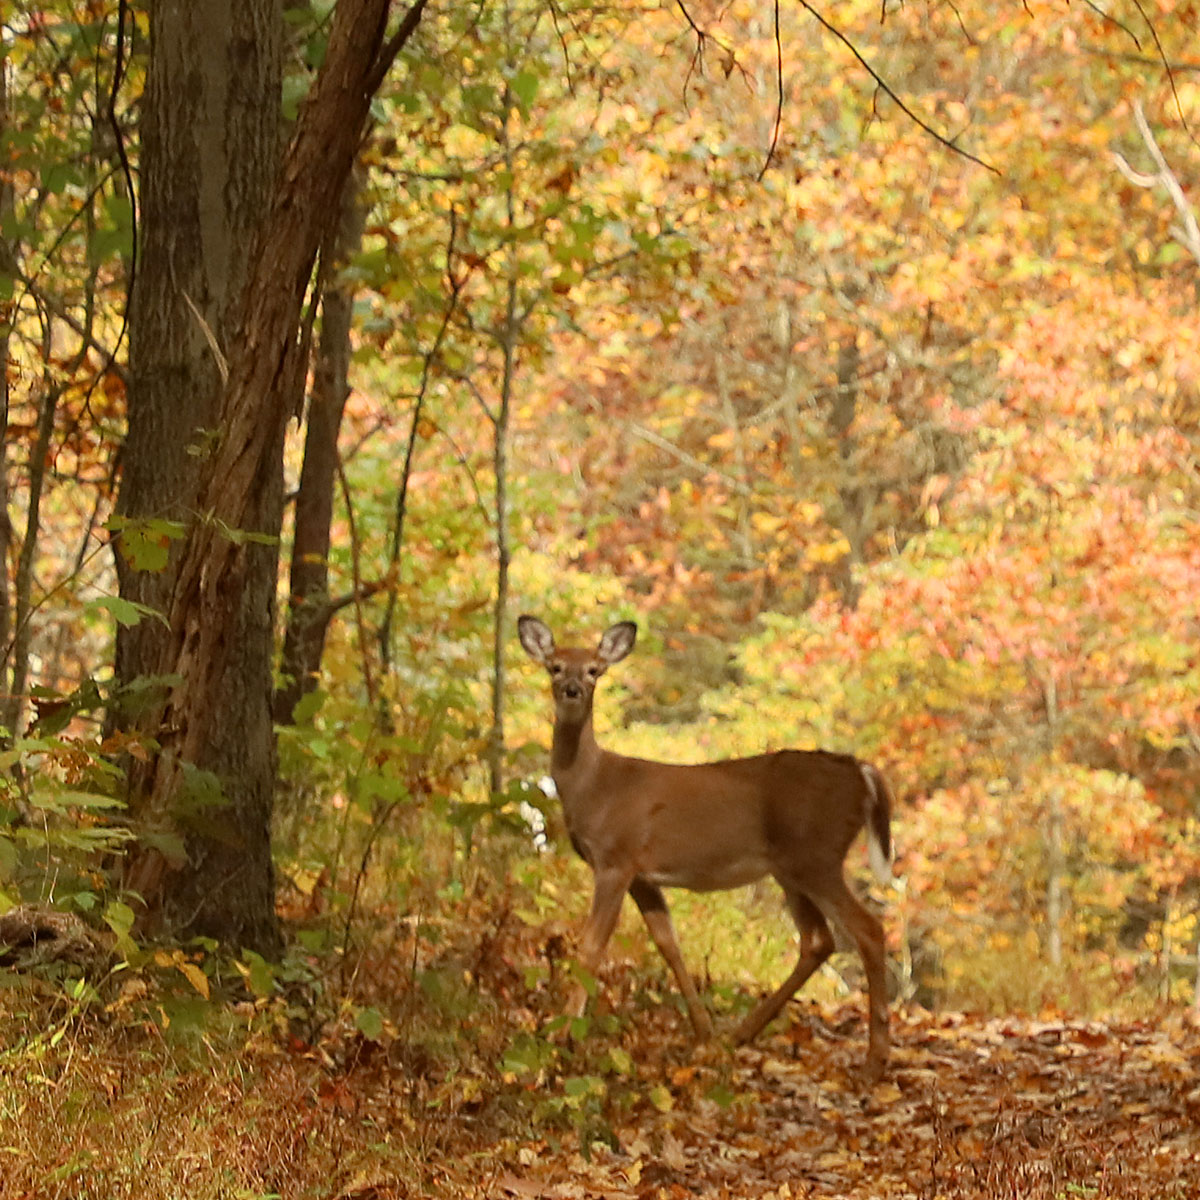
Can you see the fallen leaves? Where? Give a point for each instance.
(969, 1108)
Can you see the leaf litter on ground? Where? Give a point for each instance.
(411, 1103)
(970, 1107)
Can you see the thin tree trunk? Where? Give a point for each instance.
(1055, 870)
(749, 561)
(508, 336)
(503, 550)
(414, 425)
(850, 490)
(309, 609)
(22, 637)
(1056, 865)
(1196, 979)
(7, 263)
(1168, 947)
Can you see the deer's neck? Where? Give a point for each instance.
(573, 750)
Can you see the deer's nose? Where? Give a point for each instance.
(572, 689)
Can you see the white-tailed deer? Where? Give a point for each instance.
(642, 826)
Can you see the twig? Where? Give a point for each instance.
(1162, 57)
(778, 97)
(355, 557)
(888, 91)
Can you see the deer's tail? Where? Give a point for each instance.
(878, 820)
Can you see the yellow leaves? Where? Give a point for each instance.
(188, 969)
(823, 553)
(766, 524)
(622, 1062)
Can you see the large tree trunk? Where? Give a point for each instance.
(211, 141)
(225, 887)
(210, 135)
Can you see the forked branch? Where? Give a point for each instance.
(1187, 230)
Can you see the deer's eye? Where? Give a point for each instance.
(593, 672)
(556, 668)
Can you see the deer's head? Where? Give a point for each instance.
(574, 672)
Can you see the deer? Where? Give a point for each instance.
(642, 826)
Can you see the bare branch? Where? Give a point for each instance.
(888, 91)
(1187, 231)
(778, 96)
(57, 307)
(698, 465)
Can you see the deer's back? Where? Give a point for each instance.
(719, 825)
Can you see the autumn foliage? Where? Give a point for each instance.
(879, 410)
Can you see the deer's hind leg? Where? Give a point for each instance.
(816, 945)
(867, 931)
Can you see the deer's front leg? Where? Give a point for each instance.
(610, 887)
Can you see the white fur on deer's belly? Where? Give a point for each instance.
(714, 876)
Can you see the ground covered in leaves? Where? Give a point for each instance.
(104, 1106)
(988, 1108)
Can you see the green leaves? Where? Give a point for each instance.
(119, 917)
(145, 542)
(127, 612)
(524, 86)
(369, 1022)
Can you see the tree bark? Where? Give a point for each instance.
(211, 141)
(210, 137)
(225, 888)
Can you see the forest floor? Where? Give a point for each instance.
(455, 1093)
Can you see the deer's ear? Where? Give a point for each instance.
(536, 638)
(617, 642)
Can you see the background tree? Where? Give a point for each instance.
(310, 607)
